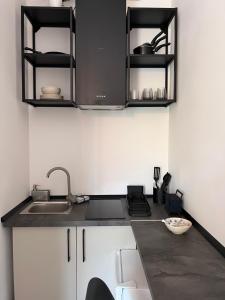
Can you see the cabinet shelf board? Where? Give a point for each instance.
(49, 60)
(150, 61)
(151, 17)
(45, 16)
(150, 103)
(50, 103)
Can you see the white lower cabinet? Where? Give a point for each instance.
(97, 248)
(44, 263)
(55, 263)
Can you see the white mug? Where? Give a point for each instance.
(55, 3)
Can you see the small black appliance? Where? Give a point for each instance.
(174, 202)
(138, 205)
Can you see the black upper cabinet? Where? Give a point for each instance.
(101, 54)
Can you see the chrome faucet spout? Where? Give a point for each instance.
(70, 198)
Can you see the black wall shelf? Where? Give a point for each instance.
(151, 17)
(50, 103)
(150, 103)
(150, 61)
(40, 16)
(49, 60)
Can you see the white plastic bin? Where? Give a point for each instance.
(132, 284)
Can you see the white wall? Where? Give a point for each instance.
(14, 178)
(197, 131)
(104, 151)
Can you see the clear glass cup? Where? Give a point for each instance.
(164, 94)
(146, 94)
(151, 94)
(158, 94)
(134, 94)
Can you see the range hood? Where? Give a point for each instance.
(101, 54)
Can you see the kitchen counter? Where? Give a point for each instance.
(183, 267)
(75, 218)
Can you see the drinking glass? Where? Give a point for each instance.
(158, 94)
(134, 94)
(146, 94)
(164, 93)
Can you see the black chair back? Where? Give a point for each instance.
(98, 290)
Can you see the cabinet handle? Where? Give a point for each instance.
(68, 245)
(83, 244)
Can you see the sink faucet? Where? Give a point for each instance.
(70, 198)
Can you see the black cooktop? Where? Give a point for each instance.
(105, 209)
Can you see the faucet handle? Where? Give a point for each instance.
(35, 187)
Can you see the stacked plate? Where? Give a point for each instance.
(50, 93)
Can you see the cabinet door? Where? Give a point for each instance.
(97, 248)
(44, 262)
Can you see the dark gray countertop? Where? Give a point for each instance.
(184, 267)
(76, 218)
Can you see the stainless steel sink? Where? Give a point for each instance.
(48, 208)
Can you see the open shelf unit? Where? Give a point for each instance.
(152, 18)
(63, 17)
(60, 17)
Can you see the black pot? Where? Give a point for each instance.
(147, 49)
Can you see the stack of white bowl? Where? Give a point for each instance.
(50, 93)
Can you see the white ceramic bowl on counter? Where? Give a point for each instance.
(177, 225)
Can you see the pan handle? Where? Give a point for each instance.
(161, 46)
(158, 41)
(32, 50)
(156, 37)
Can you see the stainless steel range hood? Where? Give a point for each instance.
(101, 107)
(101, 54)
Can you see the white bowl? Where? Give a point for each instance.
(50, 90)
(177, 225)
(51, 97)
(55, 3)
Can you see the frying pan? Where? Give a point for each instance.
(146, 48)
(151, 48)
